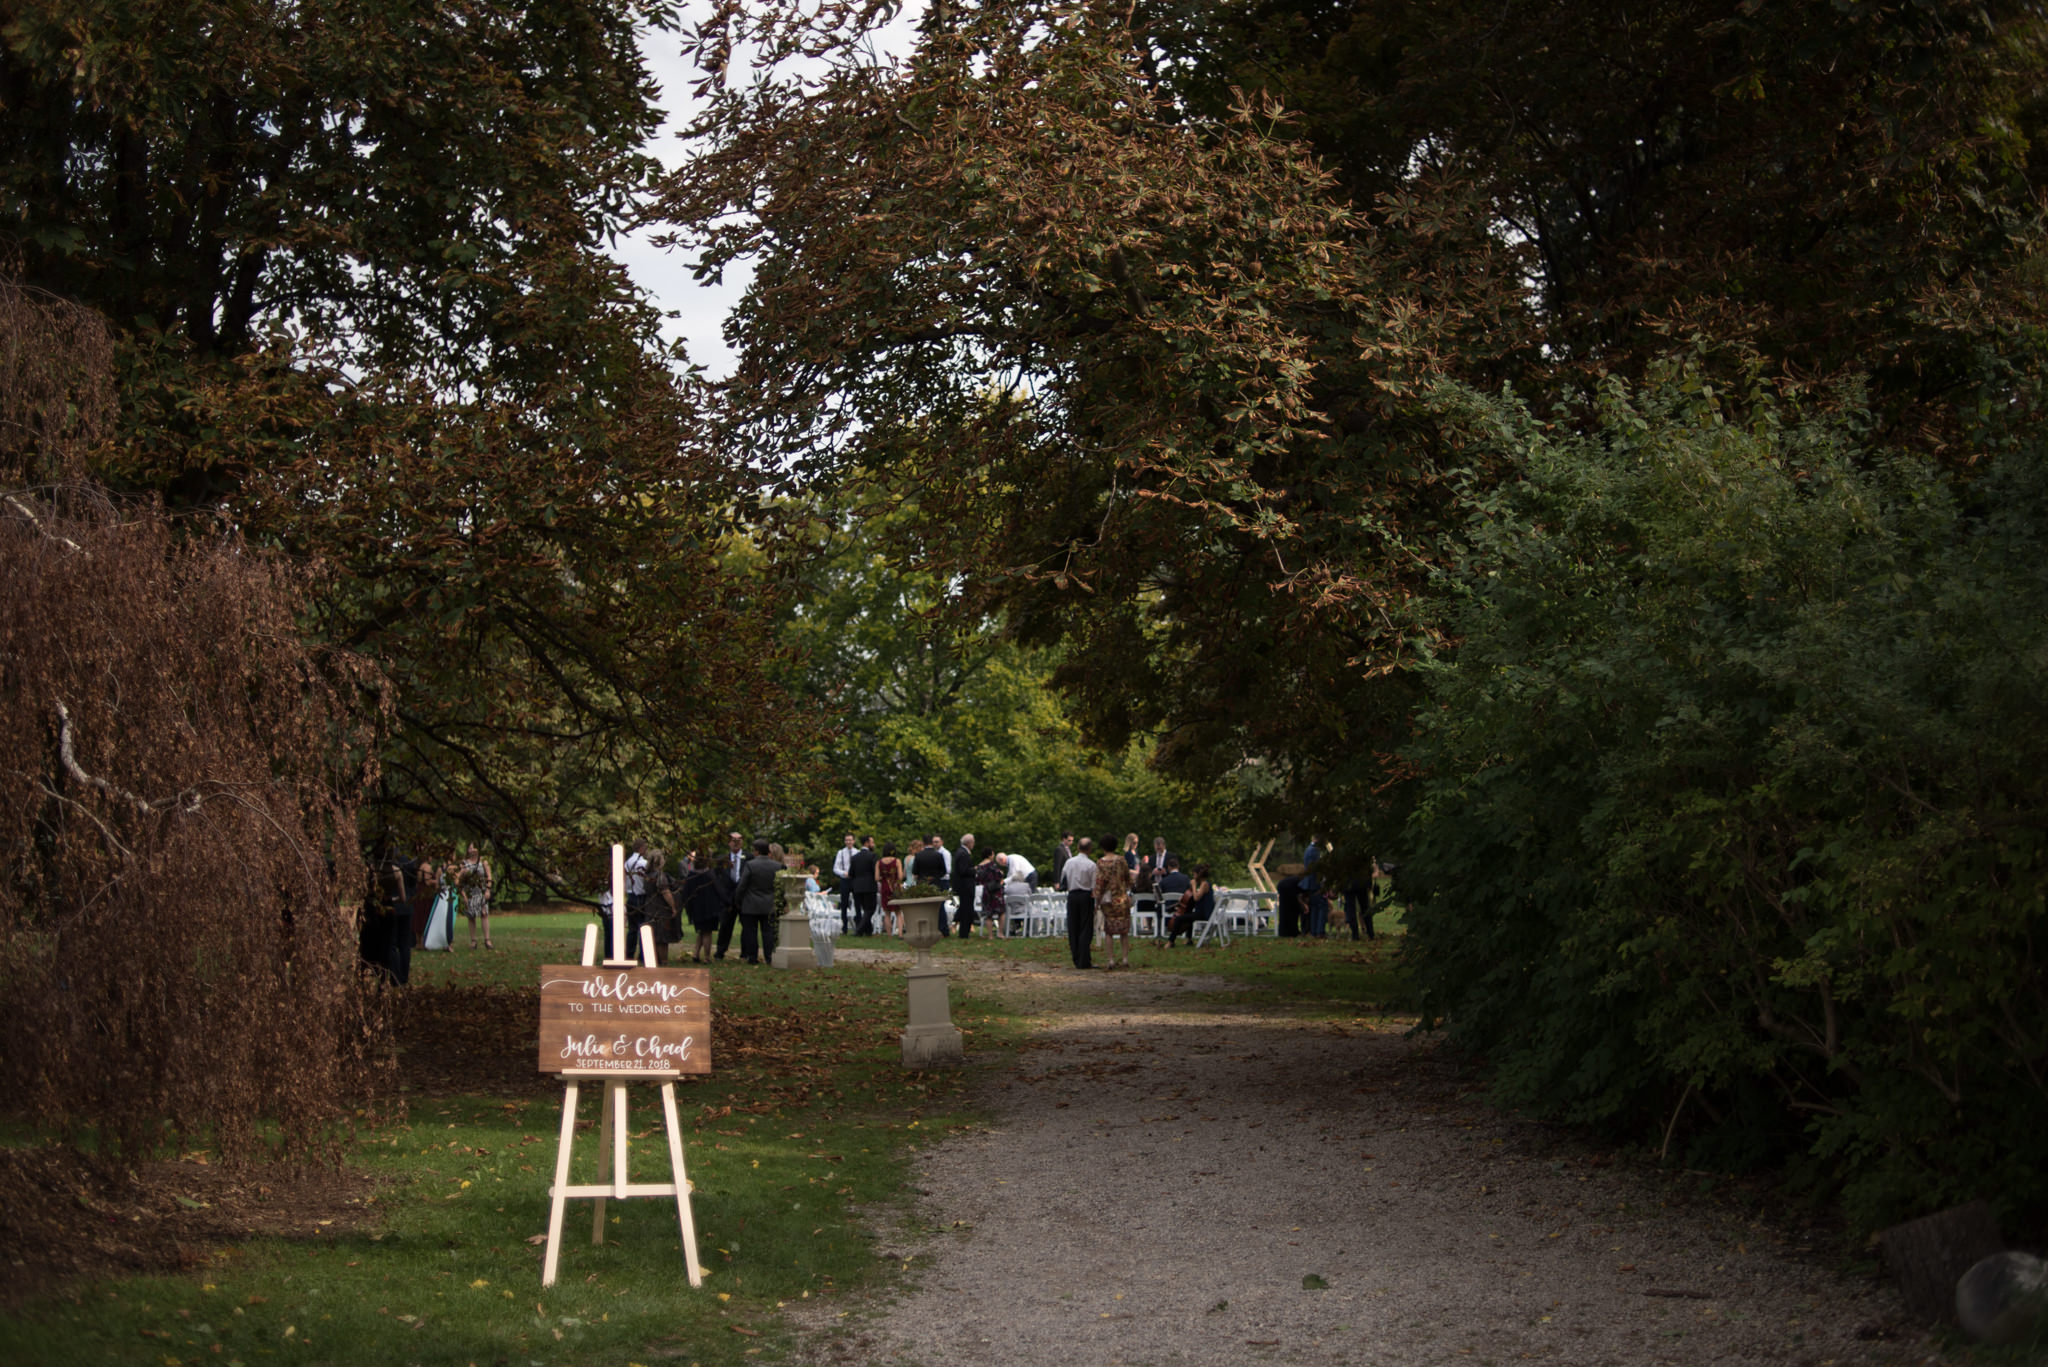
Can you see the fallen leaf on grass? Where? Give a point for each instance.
(742, 1329)
(536, 1238)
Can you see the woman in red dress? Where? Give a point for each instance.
(888, 878)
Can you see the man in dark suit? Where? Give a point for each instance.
(726, 873)
(928, 865)
(862, 880)
(754, 902)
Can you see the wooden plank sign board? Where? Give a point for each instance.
(625, 1020)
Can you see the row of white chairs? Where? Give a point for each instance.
(1238, 911)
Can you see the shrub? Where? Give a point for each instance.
(1734, 826)
(179, 869)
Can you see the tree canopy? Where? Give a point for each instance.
(353, 256)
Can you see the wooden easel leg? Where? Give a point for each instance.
(558, 1200)
(604, 1159)
(684, 1219)
(620, 1130)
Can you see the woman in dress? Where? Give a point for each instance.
(661, 905)
(1131, 851)
(888, 878)
(424, 894)
(440, 933)
(475, 882)
(1196, 905)
(1113, 901)
(988, 882)
(703, 904)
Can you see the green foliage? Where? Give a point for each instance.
(948, 725)
(352, 252)
(1799, 180)
(1729, 828)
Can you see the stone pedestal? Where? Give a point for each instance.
(931, 1041)
(793, 933)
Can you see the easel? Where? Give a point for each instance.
(1261, 880)
(611, 1142)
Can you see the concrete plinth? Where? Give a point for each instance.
(930, 1041)
(793, 931)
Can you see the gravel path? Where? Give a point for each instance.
(1169, 1180)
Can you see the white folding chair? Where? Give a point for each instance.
(1217, 924)
(1251, 911)
(1017, 908)
(1146, 920)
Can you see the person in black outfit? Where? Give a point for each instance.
(928, 865)
(397, 877)
(754, 899)
(963, 886)
(862, 881)
(726, 871)
(1290, 906)
(1358, 907)
(705, 903)
(1172, 881)
(1197, 900)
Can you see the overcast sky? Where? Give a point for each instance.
(701, 309)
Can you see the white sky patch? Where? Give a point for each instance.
(700, 309)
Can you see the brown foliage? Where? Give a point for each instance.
(178, 859)
(54, 393)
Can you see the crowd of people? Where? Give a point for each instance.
(712, 895)
(1101, 879)
(413, 903)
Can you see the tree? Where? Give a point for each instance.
(352, 251)
(1842, 189)
(1165, 369)
(945, 724)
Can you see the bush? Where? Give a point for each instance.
(1734, 826)
(181, 870)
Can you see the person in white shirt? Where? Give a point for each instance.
(842, 869)
(636, 899)
(1020, 880)
(1020, 870)
(1078, 878)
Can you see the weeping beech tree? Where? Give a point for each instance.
(179, 870)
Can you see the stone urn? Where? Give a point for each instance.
(793, 930)
(930, 1041)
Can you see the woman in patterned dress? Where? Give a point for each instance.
(988, 880)
(475, 883)
(1113, 901)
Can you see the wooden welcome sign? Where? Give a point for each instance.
(634, 1020)
(622, 1022)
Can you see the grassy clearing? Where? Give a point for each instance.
(1335, 978)
(793, 1143)
(798, 1144)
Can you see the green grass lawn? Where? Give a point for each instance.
(798, 1143)
(1336, 977)
(795, 1149)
